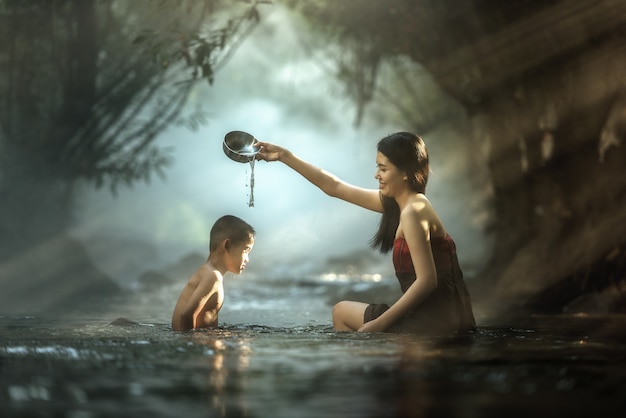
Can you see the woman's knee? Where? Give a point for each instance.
(340, 311)
(337, 309)
(347, 315)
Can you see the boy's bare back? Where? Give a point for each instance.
(200, 301)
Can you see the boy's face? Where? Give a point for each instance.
(239, 255)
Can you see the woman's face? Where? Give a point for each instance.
(391, 180)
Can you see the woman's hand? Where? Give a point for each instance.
(269, 152)
(372, 326)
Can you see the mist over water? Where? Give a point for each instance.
(278, 91)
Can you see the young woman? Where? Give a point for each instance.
(435, 298)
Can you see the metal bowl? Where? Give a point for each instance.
(239, 146)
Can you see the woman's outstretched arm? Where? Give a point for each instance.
(325, 181)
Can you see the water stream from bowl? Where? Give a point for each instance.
(251, 201)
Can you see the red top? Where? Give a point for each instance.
(402, 256)
(448, 307)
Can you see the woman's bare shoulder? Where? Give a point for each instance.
(419, 207)
(421, 212)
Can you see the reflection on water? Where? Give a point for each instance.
(544, 366)
(228, 360)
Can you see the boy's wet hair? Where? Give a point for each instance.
(230, 227)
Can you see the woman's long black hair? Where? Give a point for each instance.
(408, 152)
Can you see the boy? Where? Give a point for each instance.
(230, 243)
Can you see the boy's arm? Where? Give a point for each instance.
(205, 314)
(200, 297)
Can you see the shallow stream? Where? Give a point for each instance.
(292, 364)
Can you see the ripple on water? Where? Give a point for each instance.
(309, 371)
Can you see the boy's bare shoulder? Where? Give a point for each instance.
(206, 272)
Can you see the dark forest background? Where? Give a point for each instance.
(537, 89)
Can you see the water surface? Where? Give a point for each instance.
(275, 355)
(570, 366)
